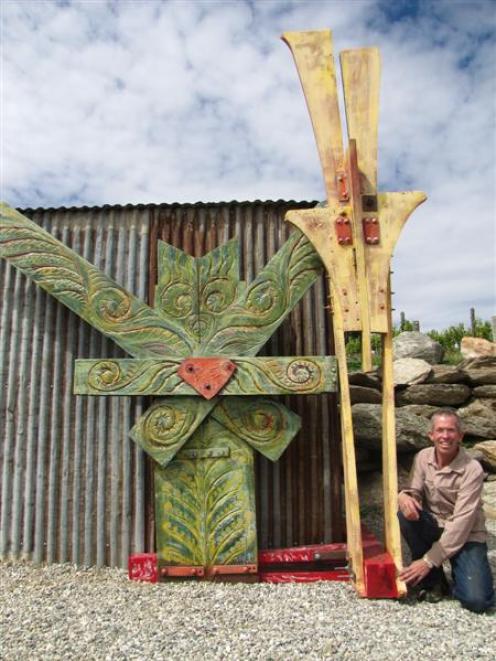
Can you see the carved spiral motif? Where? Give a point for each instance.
(112, 304)
(218, 294)
(177, 300)
(161, 426)
(199, 325)
(104, 375)
(262, 422)
(263, 298)
(303, 372)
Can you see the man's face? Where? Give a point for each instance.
(446, 437)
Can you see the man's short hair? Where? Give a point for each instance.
(448, 412)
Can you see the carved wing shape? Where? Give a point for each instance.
(266, 425)
(263, 306)
(96, 298)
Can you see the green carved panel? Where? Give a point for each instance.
(265, 303)
(266, 425)
(253, 376)
(205, 506)
(307, 375)
(88, 292)
(166, 426)
(204, 481)
(176, 294)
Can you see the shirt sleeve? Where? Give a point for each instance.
(416, 480)
(458, 528)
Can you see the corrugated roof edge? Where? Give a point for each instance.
(155, 205)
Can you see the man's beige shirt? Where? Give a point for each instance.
(453, 495)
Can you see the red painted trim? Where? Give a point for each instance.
(303, 576)
(143, 567)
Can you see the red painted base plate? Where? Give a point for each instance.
(302, 564)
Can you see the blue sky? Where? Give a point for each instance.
(148, 101)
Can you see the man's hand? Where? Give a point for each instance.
(415, 572)
(409, 507)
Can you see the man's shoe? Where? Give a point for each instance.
(436, 593)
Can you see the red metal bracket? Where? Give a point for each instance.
(207, 375)
(143, 567)
(371, 230)
(312, 553)
(324, 562)
(343, 230)
(380, 577)
(178, 571)
(223, 570)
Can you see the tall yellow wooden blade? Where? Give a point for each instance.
(361, 71)
(312, 52)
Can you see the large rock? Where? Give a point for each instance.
(489, 499)
(361, 395)
(480, 371)
(446, 374)
(488, 451)
(479, 420)
(424, 410)
(477, 347)
(479, 408)
(411, 430)
(478, 428)
(365, 379)
(437, 394)
(407, 371)
(488, 392)
(411, 344)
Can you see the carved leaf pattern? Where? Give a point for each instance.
(265, 303)
(206, 506)
(265, 424)
(253, 376)
(88, 292)
(166, 426)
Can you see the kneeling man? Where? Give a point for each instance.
(441, 518)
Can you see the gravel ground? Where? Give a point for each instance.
(64, 612)
(60, 612)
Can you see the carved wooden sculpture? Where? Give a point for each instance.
(195, 349)
(354, 235)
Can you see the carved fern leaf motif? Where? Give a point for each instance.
(206, 504)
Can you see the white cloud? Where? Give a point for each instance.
(116, 102)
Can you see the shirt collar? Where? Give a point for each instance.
(458, 464)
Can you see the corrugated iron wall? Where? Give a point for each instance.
(74, 488)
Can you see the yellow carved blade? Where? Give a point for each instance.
(312, 52)
(361, 71)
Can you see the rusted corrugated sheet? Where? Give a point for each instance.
(74, 488)
(72, 481)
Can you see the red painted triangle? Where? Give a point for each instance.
(206, 375)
